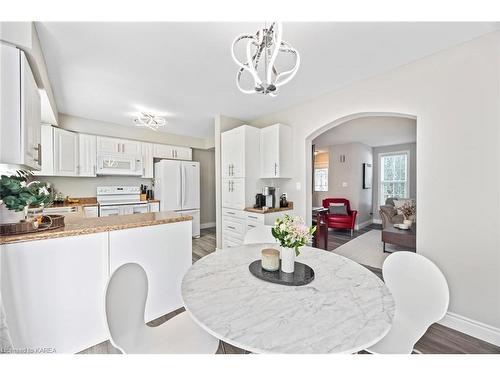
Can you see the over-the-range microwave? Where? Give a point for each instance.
(119, 164)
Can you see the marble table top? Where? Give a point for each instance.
(345, 309)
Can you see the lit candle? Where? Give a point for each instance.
(270, 259)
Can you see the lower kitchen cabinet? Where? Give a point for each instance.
(53, 292)
(164, 251)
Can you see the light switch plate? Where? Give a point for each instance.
(344, 184)
(298, 186)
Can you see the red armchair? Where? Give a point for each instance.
(340, 221)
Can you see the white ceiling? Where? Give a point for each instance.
(373, 131)
(108, 71)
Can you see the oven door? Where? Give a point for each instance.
(110, 211)
(118, 164)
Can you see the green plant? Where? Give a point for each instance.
(16, 193)
(292, 232)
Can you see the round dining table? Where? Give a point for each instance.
(345, 309)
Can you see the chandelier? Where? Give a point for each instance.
(150, 120)
(262, 51)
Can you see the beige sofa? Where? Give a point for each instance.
(389, 214)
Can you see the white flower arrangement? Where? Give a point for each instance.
(292, 232)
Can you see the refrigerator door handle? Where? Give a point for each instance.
(179, 192)
(184, 188)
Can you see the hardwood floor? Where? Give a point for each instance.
(437, 340)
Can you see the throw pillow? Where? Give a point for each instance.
(338, 209)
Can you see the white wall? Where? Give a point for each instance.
(412, 147)
(455, 97)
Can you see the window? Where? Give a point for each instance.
(394, 175)
(321, 179)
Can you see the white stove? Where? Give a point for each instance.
(120, 200)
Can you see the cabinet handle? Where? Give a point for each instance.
(275, 169)
(176, 155)
(230, 213)
(118, 147)
(253, 217)
(39, 154)
(251, 226)
(95, 169)
(230, 227)
(123, 147)
(143, 171)
(229, 169)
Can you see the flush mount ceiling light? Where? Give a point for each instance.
(263, 50)
(150, 120)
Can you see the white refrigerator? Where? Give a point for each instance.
(177, 186)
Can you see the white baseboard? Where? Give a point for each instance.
(472, 328)
(362, 225)
(377, 221)
(207, 225)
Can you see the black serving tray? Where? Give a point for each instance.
(302, 274)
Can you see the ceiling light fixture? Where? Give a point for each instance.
(150, 120)
(262, 50)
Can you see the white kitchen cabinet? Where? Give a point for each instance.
(147, 150)
(90, 211)
(47, 141)
(108, 145)
(130, 147)
(165, 255)
(20, 141)
(154, 206)
(53, 292)
(65, 153)
(87, 163)
(240, 166)
(276, 159)
(172, 152)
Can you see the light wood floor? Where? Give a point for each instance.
(437, 340)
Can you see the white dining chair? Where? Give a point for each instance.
(421, 295)
(126, 296)
(259, 234)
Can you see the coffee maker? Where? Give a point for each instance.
(270, 193)
(260, 201)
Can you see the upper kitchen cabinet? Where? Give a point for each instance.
(117, 145)
(240, 146)
(147, 159)
(87, 160)
(20, 125)
(172, 152)
(66, 156)
(276, 151)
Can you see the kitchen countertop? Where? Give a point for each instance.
(100, 224)
(270, 210)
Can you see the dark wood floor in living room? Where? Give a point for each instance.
(437, 340)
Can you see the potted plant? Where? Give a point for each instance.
(17, 195)
(292, 233)
(409, 209)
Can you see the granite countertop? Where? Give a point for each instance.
(270, 210)
(100, 224)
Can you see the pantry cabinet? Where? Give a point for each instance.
(20, 125)
(87, 162)
(276, 159)
(66, 155)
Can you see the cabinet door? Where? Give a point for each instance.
(163, 151)
(30, 117)
(183, 153)
(190, 185)
(87, 155)
(238, 191)
(130, 147)
(53, 292)
(107, 144)
(154, 207)
(147, 159)
(233, 153)
(65, 153)
(227, 196)
(269, 148)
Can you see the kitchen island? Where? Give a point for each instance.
(53, 282)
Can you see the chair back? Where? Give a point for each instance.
(126, 296)
(419, 289)
(326, 203)
(259, 234)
